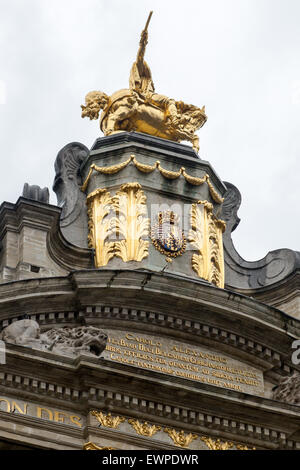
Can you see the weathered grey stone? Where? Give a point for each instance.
(288, 390)
(67, 341)
(36, 193)
(70, 198)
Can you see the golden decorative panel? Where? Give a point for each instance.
(131, 223)
(99, 205)
(166, 235)
(144, 429)
(108, 420)
(206, 237)
(195, 181)
(179, 438)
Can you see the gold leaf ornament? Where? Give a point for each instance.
(205, 236)
(216, 444)
(131, 223)
(99, 205)
(108, 420)
(179, 438)
(144, 429)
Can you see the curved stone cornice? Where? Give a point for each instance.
(200, 313)
(45, 218)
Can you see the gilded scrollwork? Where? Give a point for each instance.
(144, 429)
(179, 438)
(107, 420)
(206, 237)
(216, 444)
(92, 446)
(99, 205)
(131, 223)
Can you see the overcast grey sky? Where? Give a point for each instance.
(240, 58)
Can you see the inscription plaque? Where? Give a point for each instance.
(182, 360)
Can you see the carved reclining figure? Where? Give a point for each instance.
(66, 341)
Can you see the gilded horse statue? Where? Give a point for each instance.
(140, 109)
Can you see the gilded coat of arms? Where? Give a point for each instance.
(167, 236)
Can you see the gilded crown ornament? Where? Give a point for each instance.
(139, 108)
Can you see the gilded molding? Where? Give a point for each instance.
(216, 445)
(179, 438)
(131, 223)
(99, 205)
(195, 181)
(91, 446)
(108, 420)
(206, 237)
(144, 429)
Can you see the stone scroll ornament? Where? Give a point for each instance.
(141, 109)
(65, 341)
(206, 237)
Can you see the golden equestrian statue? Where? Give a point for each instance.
(140, 109)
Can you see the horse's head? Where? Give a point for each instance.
(94, 101)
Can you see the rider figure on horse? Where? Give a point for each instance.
(140, 81)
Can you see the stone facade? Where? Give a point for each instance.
(187, 364)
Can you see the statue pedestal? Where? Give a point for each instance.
(152, 204)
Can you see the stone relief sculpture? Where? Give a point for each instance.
(288, 390)
(66, 341)
(141, 109)
(70, 198)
